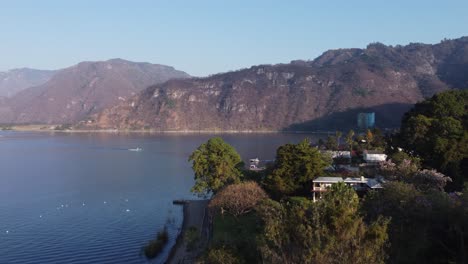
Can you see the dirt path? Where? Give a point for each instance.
(194, 215)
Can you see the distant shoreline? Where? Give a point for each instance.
(41, 128)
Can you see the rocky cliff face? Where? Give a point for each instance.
(16, 80)
(86, 88)
(322, 94)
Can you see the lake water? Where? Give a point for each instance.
(85, 198)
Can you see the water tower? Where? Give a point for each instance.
(366, 120)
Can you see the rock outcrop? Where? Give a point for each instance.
(325, 93)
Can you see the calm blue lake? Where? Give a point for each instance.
(85, 198)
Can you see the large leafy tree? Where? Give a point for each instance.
(437, 131)
(215, 164)
(295, 167)
(328, 231)
(238, 199)
(427, 226)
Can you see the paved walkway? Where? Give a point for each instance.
(194, 215)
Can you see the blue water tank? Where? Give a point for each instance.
(366, 120)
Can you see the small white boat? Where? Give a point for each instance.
(136, 149)
(256, 160)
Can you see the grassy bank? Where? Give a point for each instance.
(237, 235)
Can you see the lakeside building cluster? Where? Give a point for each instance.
(370, 158)
(361, 184)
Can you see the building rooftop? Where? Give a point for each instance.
(356, 180)
(374, 184)
(328, 179)
(374, 152)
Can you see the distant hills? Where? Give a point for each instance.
(71, 94)
(322, 94)
(325, 93)
(16, 80)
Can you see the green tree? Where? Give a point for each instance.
(338, 135)
(398, 157)
(296, 165)
(407, 209)
(328, 231)
(436, 130)
(215, 164)
(378, 139)
(427, 226)
(331, 143)
(350, 139)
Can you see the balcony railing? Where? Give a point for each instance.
(319, 189)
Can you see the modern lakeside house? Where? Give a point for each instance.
(360, 185)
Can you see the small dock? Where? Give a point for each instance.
(180, 202)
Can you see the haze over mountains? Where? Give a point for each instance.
(325, 93)
(74, 93)
(16, 80)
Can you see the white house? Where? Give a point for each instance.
(321, 185)
(372, 156)
(361, 184)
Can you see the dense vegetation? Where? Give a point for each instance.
(328, 231)
(415, 218)
(436, 130)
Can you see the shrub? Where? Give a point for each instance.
(155, 246)
(220, 256)
(192, 237)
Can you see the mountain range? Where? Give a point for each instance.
(326, 93)
(321, 94)
(16, 80)
(73, 93)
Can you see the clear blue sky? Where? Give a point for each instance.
(204, 37)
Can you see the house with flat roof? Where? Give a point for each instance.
(374, 156)
(361, 184)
